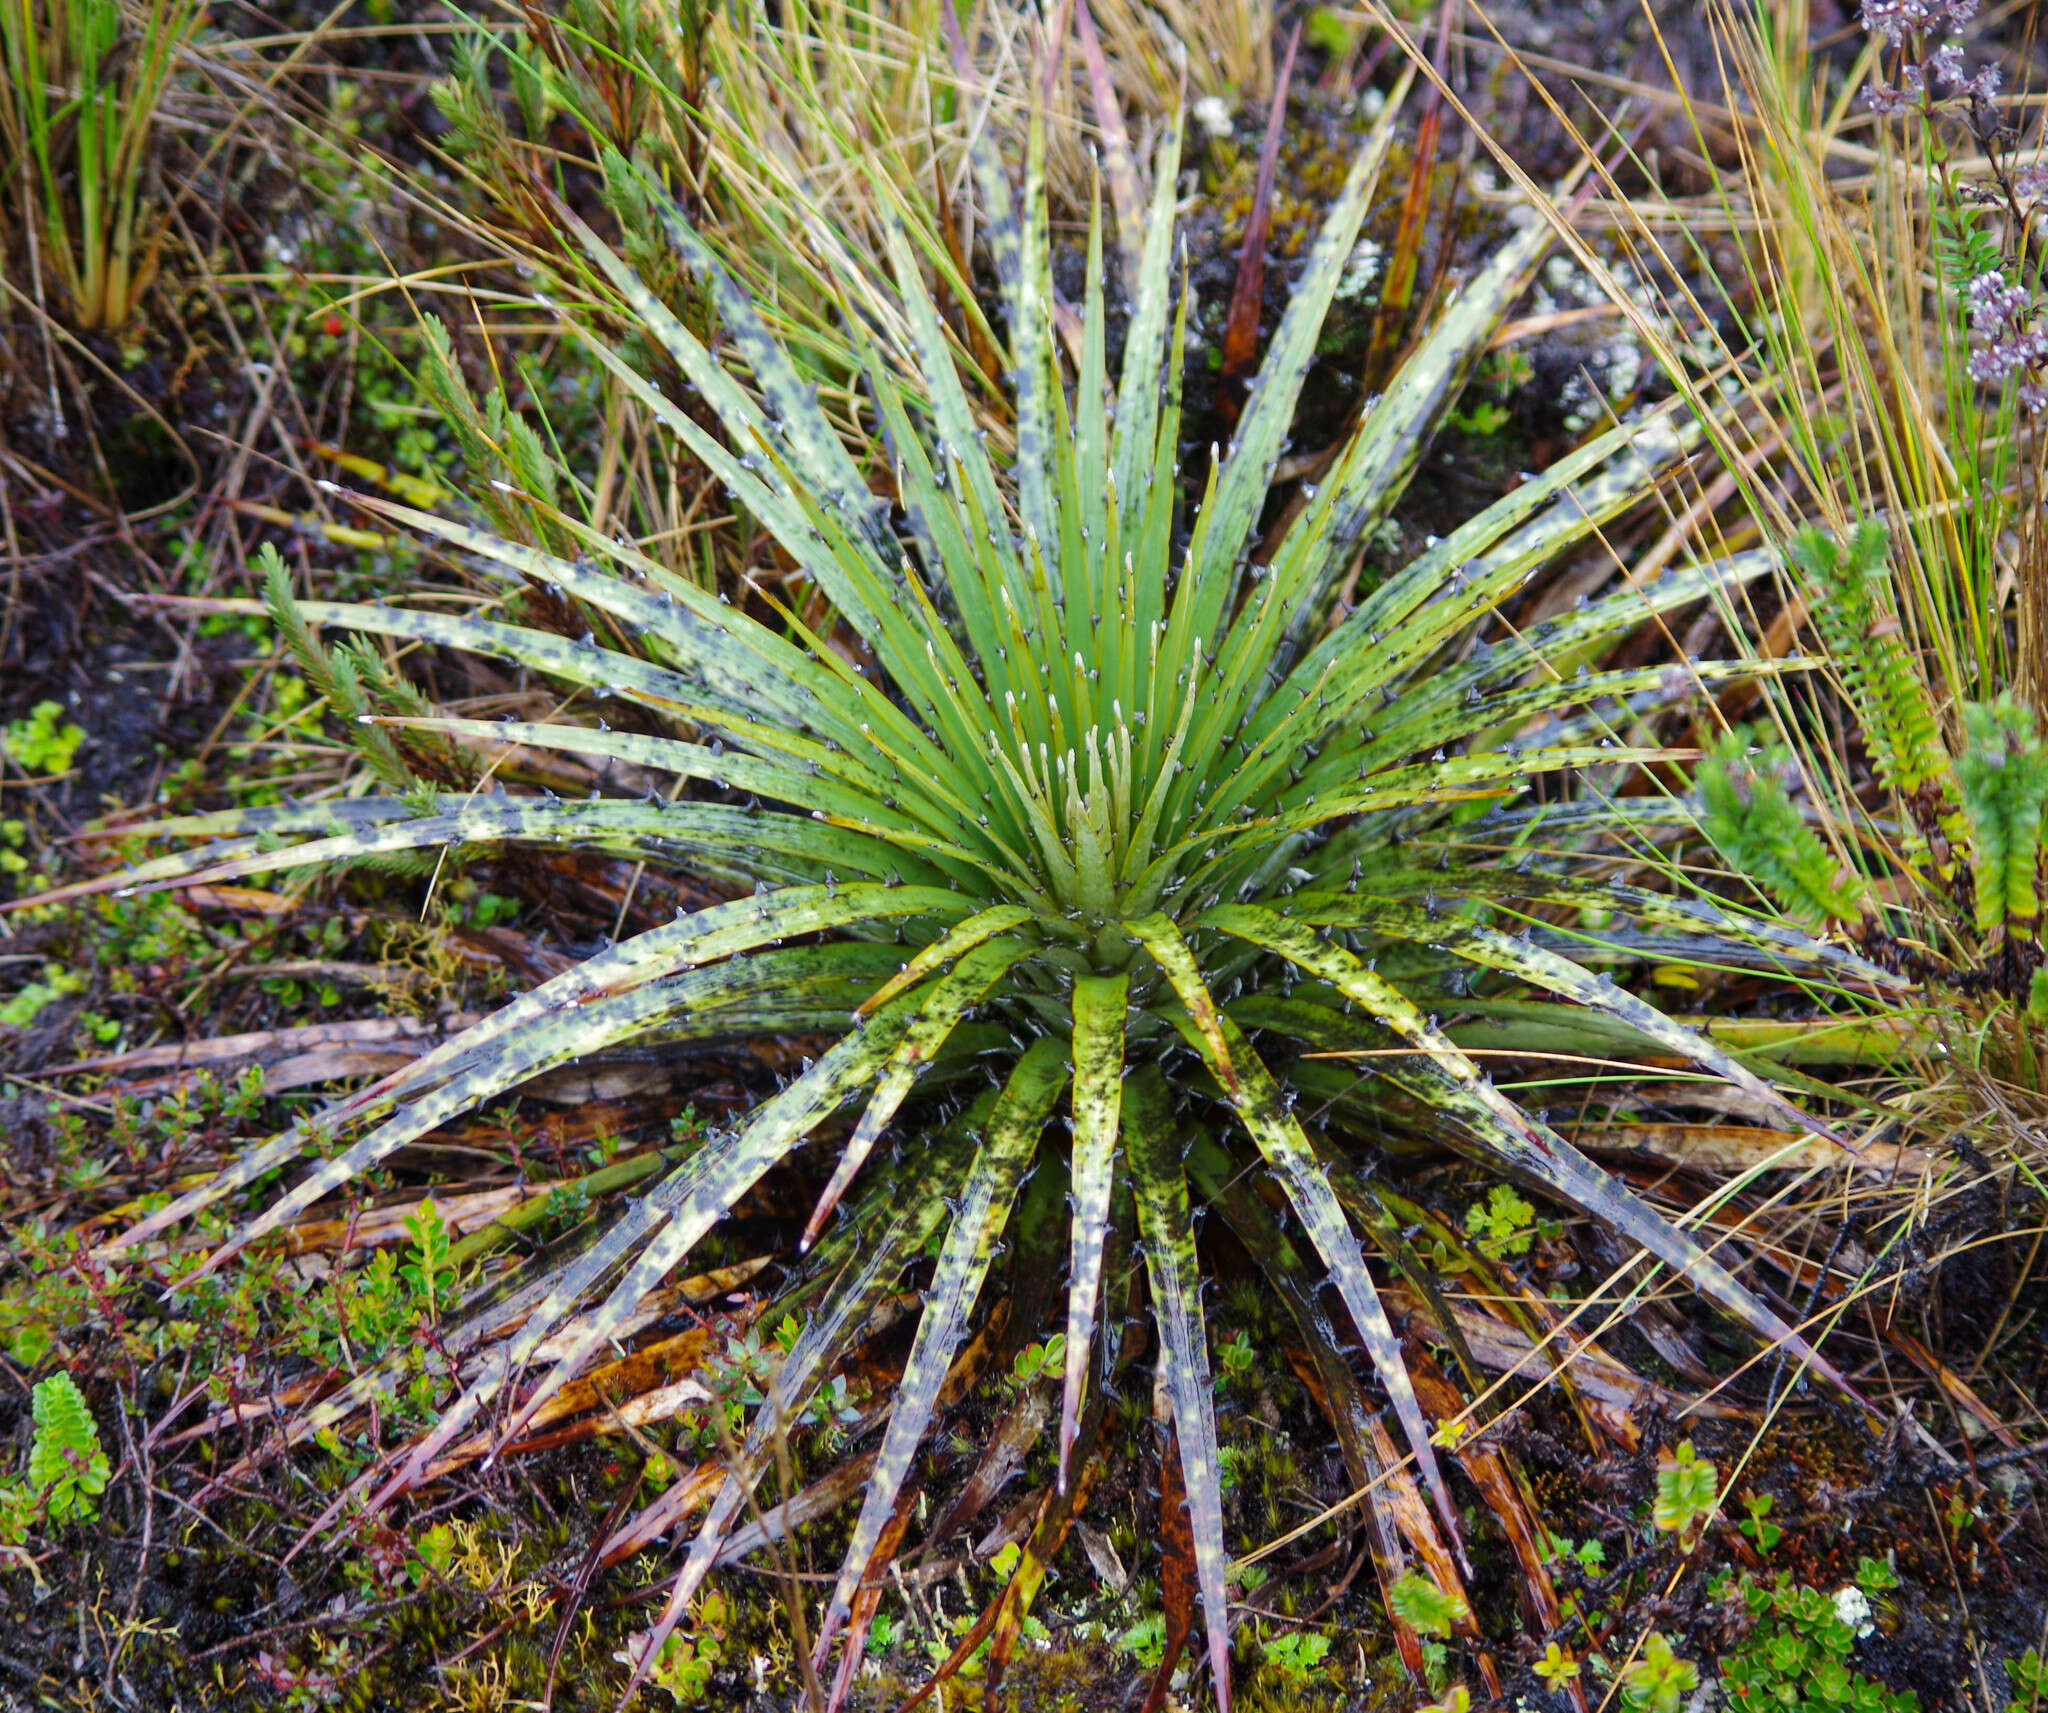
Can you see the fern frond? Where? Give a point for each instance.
(2004, 774)
(67, 1469)
(1761, 835)
(1849, 597)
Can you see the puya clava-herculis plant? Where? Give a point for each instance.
(78, 115)
(1105, 796)
(1968, 792)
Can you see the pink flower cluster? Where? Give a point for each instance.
(2001, 315)
(1900, 20)
(1895, 20)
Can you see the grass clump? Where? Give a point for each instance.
(78, 119)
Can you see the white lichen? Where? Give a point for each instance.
(1852, 1606)
(1212, 113)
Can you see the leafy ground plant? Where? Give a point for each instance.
(67, 1469)
(1085, 795)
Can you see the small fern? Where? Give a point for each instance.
(515, 478)
(358, 687)
(67, 1469)
(2004, 775)
(1848, 594)
(1758, 830)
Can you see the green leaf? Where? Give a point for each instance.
(67, 1469)
(947, 1002)
(1263, 1112)
(1517, 1140)
(1175, 1275)
(1006, 1149)
(1099, 1006)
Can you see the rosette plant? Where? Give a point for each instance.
(1090, 818)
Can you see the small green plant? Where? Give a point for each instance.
(1502, 1223)
(1237, 1361)
(1039, 1361)
(1589, 1555)
(1971, 819)
(1658, 1681)
(1687, 1491)
(1422, 1604)
(1557, 1668)
(1296, 1656)
(1797, 1654)
(2003, 774)
(1748, 812)
(23, 1007)
(45, 742)
(682, 1667)
(433, 1552)
(67, 1469)
(2029, 1674)
(1764, 1533)
(1145, 1641)
(428, 1272)
(1849, 595)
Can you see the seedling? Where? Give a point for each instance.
(67, 1469)
(1501, 1223)
(1658, 1681)
(1298, 1655)
(1765, 1534)
(1687, 1492)
(1425, 1607)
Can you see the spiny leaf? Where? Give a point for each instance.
(1006, 1149)
(948, 1001)
(1175, 1276)
(1264, 1113)
(1099, 1006)
(1519, 1140)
